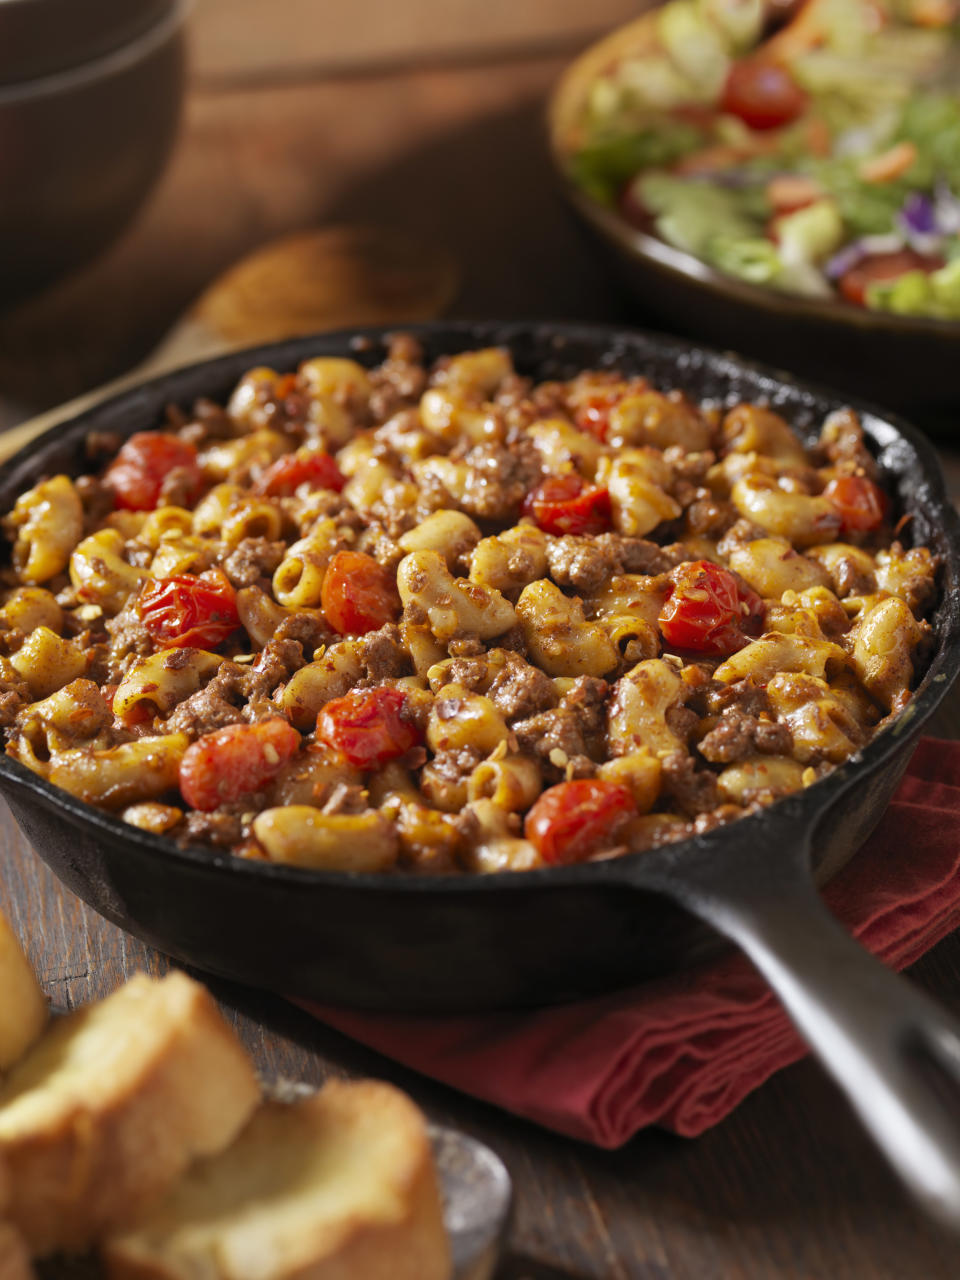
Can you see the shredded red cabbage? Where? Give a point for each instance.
(918, 215)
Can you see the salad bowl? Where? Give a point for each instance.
(892, 353)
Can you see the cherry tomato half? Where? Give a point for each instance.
(224, 765)
(762, 94)
(188, 610)
(137, 473)
(708, 610)
(564, 504)
(368, 727)
(853, 284)
(307, 466)
(358, 594)
(593, 414)
(862, 505)
(573, 820)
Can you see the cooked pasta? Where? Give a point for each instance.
(441, 619)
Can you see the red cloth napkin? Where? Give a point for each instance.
(683, 1051)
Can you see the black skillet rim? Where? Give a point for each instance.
(806, 806)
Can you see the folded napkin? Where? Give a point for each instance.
(682, 1051)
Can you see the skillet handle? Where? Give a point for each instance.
(890, 1048)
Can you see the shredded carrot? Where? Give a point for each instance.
(889, 164)
(808, 29)
(793, 191)
(818, 136)
(722, 155)
(804, 33)
(711, 159)
(933, 13)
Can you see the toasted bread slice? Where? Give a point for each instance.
(339, 1186)
(23, 1009)
(113, 1103)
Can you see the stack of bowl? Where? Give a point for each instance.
(90, 97)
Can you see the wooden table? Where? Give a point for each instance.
(787, 1188)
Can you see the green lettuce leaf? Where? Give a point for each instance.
(604, 164)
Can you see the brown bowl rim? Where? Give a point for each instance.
(112, 62)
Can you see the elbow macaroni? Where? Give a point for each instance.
(47, 523)
(587, 582)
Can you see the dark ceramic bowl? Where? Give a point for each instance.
(40, 37)
(81, 144)
(908, 362)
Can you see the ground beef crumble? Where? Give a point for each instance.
(14, 696)
(691, 790)
(738, 734)
(221, 829)
(400, 380)
(584, 564)
(746, 695)
(253, 559)
(383, 655)
(212, 707)
(130, 641)
(498, 479)
(519, 690)
(849, 579)
(568, 736)
(97, 499)
(275, 664)
(637, 555)
(845, 446)
(309, 630)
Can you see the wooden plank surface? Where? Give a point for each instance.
(244, 39)
(787, 1188)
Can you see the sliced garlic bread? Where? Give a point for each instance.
(23, 1009)
(113, 1103)
(339, 1186)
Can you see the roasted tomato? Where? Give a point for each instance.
(762, 94)
(358, 594)
(573, 820)
(368, 727)
(189, 611)
(862, 504)
(307, 466)
(854, 283)
(708, 610)
(138, 472)
(229, 763)
(564, 504)
(593, 414)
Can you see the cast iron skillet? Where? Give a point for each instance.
(475, 942)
